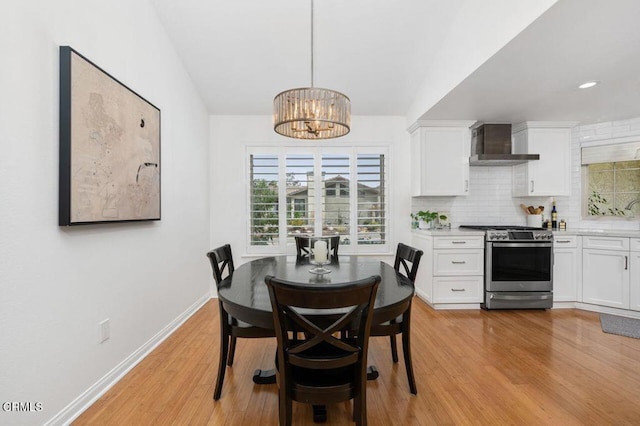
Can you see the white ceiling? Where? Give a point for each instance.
(535, 77)
(241, 53)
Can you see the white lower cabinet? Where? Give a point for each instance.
(605, 271)
(567, 267)
(451, 272)
(423, 278)
(634, 274)
(459, 289)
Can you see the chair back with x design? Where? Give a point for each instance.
(323, 368)
(409, 259)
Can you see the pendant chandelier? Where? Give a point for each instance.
(311, 112)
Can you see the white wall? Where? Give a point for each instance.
(57, 284)
(230, 136)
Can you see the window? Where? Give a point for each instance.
(313, 192)
(264, 227)
(611, 180)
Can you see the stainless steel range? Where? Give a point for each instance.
(518, 267)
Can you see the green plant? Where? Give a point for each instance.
(427, 216)
(597, 205)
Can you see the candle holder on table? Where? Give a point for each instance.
(319, 255)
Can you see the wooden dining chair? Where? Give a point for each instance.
(322, 368)
(406, 263)
(221, 260)
(304, 242)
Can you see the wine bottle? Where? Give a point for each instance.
(554, 216)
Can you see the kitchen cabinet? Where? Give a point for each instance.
(425, 269)
(451, 273)
(567, 267)
(605, 271)
(634, 274)
(440, 158)
(551, 174)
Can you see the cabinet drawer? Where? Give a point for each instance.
(606, 243)
(458, 289)
(634, 244)
(458, 262)
(459, 242)
(560, 241)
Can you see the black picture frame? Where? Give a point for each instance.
(109, 147)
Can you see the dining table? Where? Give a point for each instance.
(245, 296)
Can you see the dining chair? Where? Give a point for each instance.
(304, 242)
(322, 368)
(221, 260)
(406, 263)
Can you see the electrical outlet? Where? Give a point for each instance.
(105, 333)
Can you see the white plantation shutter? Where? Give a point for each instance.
(300, 194)
(371, 200)
(336, 201)
(317, 191)
(264, 217)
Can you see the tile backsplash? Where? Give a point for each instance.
(489, 201)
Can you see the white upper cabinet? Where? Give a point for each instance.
(440, 157)
(551, 175)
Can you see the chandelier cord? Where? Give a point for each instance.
(311, 43)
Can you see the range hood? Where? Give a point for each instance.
(491, 146)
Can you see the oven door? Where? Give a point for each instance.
(519, 266)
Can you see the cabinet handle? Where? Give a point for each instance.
(532, 186)
(626, 263)
(466, 185)
(458, 242)
(458, 262)
(458, 289)
(563, 241)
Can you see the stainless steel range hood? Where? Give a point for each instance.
(491, 146)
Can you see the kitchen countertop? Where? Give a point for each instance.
(600, 232)
(446, 232)
(582, 232)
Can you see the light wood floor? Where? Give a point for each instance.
(472, 367)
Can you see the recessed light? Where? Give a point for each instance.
(588, 84)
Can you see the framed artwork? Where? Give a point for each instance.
(109, 147)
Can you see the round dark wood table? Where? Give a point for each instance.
(245, 296)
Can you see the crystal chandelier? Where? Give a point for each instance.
(311, 112)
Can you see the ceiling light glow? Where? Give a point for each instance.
(588, 84)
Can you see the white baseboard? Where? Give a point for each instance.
(607, 310)
(95, 391)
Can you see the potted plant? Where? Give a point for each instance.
(426, 219)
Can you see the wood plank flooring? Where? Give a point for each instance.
(551, 367)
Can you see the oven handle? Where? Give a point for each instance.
(495, 296)
(540, 244)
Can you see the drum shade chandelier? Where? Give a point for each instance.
(311, 112)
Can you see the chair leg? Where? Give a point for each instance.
(224, 349)
(360, 403)
(406, 349)
(232, 351)
(394, 348)
(284, 407)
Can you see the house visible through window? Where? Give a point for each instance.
(294, 193)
